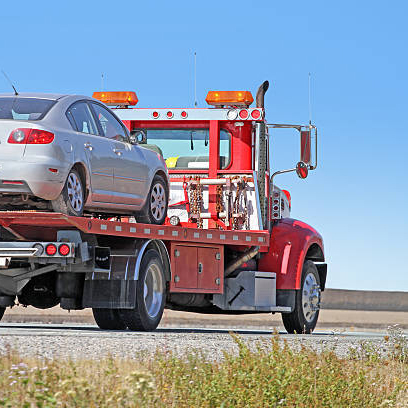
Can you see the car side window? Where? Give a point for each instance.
(111, 127)
(83, 118)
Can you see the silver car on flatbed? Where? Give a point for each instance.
(71, 154)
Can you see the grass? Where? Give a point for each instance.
(271, 374)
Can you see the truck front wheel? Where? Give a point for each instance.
(150, 295)
(304, 317)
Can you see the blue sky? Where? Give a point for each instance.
(355, 51)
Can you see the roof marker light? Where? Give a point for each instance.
(169, 114)
(256, 114)
(183, 114)
(155, 115)
(232, 114)
(243, 114)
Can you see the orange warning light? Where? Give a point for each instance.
(116, 98)
(231, 98)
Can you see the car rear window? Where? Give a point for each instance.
(24, 108)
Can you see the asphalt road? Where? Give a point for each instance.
(88, 341)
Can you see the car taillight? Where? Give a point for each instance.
(30, 136)
(51, 249)
(64, 249)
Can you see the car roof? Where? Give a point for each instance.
(39, 95)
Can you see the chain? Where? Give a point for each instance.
(243, 219)
(196, 200)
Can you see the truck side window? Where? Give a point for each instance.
(188, 148)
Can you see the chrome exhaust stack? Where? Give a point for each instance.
(260, 94)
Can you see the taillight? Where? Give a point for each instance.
(51, 249)
(30, 136)
(243, 114)
(64, 249)
(40, 137)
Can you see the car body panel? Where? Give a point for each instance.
(118, 174)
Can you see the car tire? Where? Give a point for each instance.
(71, 201)
(108, 319)
(150, 295)
(155, 208)
(304, 317)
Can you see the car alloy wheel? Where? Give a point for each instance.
(75, 192)
(158, 201)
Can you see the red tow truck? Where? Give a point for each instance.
(228, 244)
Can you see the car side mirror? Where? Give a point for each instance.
(302, 170)
(138, 137)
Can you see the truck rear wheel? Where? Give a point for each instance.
(150, 295)
(108, 319)
(304, 317)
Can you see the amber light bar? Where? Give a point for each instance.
(116, 98)
(229, 98)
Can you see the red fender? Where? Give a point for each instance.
(290, 242)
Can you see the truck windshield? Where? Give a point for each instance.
(20, 108)
(188, 148)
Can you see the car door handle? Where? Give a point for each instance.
(118, 152)
(88, 146)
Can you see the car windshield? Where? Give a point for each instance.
(187, 148)
(20, 108)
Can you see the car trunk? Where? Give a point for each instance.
(11, 151)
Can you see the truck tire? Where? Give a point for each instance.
(108, 319)
(150, 295)
(2, 310)
(155, 209)
(71, 201)
(304, 317)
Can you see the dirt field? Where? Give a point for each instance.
(342, 319)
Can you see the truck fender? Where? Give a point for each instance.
(159, 246)
(292, 242)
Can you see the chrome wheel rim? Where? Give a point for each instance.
(158, 201)
(153, 290)
(310, 297)
(75, 193)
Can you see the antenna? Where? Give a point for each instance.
(310, 102)
(195, 79)
(102, 87)
(8, 79)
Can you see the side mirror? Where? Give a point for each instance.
(302, 170)
(305, 146)
(138, 137)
